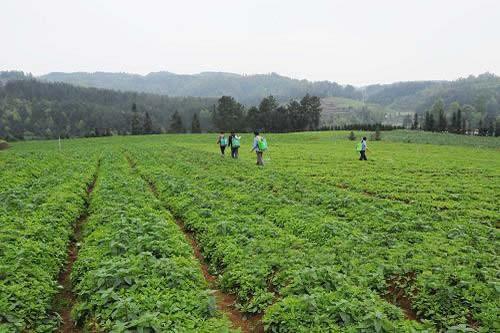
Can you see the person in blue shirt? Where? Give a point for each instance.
(364, 148)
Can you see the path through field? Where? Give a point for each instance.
(65, 300)
(225, 302)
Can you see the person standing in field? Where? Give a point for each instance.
(234, 143)
(362, 147)
(222, 142)
(259, 145)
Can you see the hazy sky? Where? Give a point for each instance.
(355, 42)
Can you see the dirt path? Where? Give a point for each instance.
(397, 296)
(66, 299)
(225, 302)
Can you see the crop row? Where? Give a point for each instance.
(135, 270)
(277, 264)
(280, 238)
(44, 196)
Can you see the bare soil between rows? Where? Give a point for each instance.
(225, 302)
(65, 300)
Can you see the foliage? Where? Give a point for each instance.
(195, 124)
(42, 194)
(248, 89)
(176, 125)
(32, 109)
(313, 235)
(310, 249)
(269, 115)
(135, 270)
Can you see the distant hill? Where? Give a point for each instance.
(248, 89)
(384, 102)
(478, 96)
(34, 109)
(418, 96)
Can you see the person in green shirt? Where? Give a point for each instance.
(222, 142)
(234, 143)
(259, 145)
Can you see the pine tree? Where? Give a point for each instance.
(135, 126)
(415, 124)
(491, 129)
(442, 123)
(195, 124)
(427, 121)
(176, 125)
(454, 127)
(377, 136)
(148, 124)
(459, 121)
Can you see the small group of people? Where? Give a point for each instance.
(260, 146)
(233, 142)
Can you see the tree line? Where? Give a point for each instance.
(31, 109)
(457, 119)
(270, 116)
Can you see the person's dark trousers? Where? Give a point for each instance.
(362, 155)
(234, 152)
(222, 148)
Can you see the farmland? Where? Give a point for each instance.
(159, 233)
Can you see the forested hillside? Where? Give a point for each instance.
(39, 109)
(33, 109)
(388, 103)
(247, 89)
(420, 96)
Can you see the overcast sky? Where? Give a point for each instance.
(356, 42)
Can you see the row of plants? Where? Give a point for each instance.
(135, 270)
(41, 195)
(266, 260)
(272, 234)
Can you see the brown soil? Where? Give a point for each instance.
(225, 302)
(397, 296)
(368, 193)
(66, 299)
(4, 145)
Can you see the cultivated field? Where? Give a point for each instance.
(161, 234)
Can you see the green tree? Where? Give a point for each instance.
(429, 121)
(415, 124)
(267, 108)
(195, 124)
(176, 125)
(377, 136)
(148, 124)
(311, 108)
(228, 115)
(459, 121)
(135, 123)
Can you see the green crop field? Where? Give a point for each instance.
(161, 234)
